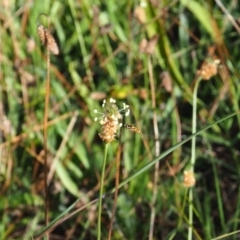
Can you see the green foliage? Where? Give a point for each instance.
(100, 57)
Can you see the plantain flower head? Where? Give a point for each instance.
(111, 119)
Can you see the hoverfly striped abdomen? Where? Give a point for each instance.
(132, 128)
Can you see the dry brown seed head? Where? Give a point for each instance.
(209, 69)
(148, 47)
(41, 34)
(47, 39)
(51, 43)
(140, 14)
(188, 179)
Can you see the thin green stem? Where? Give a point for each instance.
(116, 186)
(101, 192)
(194, 123)
(193, 156)
(45, 133)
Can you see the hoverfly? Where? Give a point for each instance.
(132, 128)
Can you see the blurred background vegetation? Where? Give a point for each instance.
(118, 49)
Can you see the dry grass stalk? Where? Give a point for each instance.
(166, 81)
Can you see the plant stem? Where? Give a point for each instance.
(157, 150)
(45, 125)
(193, 156)
(116, 187)
(101, 192)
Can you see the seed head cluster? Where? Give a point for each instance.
(111, 119)
(47, 39)
(209, 69)
(189, 179)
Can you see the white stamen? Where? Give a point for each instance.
(112, 100)
(104, 102)
(143, 4)
(127, 113)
